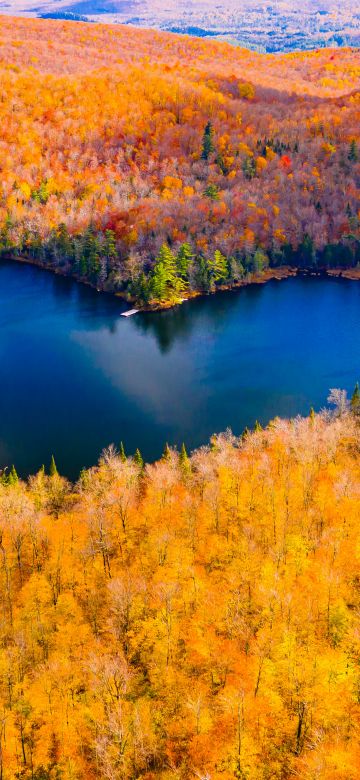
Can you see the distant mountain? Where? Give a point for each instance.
(256, 24)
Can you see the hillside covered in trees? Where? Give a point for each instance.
(194, 618)
(155, 165)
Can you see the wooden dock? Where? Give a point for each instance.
(129, 313)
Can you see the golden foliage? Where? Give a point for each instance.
(199, 618)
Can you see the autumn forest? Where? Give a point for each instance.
(194, 618)
(156, 165)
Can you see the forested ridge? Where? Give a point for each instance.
(156, 165)
(193, 618)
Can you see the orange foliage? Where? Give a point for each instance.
(98, 119)
(199, 618)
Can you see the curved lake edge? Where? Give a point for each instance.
(78, 376)
(270, 274)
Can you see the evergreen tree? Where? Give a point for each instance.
(307, 253)
(90, 254)
(13, 478)
(140, 288)
(64, 242)
(184, 458)
(258, 427)
(84, 478)
(214, 443)
(353, 151)
(167, 452)
(218, 267)
(212, 192)
(162, 275)
(109, 247)
(202, 274)
(138, 459)
(165, 284)
(222, 165)
(260, 260)
(355, 399)
(249, 167)
(83, 266)
(312, 415)
(9, 479)
(122, 452)
(208, 142)
(53, 469)
(6, 241)
(184, 260)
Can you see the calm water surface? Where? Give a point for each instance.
(75, 376)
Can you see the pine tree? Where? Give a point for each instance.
(353, 151)
(355, 399)
(84, 478)
(221, 163)
(214, 443)
(165, 284)
(109, 247)
(90, 256)
(184, 459)
(307, 253)
(83, 266)
(140, 288)
(212, 192)
(312, 415)
(208, 142)
(122, 452)
(260, 260)
(249, 168)
(53, 469)
(64, 242)
(161, 275)
(202, 274)
(138, 459)
(11, 478)
(184, 259)
(167, 452)
(218, 267)
(258, 427)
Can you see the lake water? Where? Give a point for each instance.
(75, 376)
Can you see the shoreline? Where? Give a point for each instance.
(276, 274)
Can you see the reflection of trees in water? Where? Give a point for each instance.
(167, 326)
(97, 310)
(94, 310)
(176, 324)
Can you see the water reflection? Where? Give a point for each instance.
(75, 375)
(178, 324)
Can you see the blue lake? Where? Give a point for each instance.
(76, 376)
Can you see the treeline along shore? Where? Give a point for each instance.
(175, 275)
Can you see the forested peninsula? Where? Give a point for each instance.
(159, 166)
(193, 618)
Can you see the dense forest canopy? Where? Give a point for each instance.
(119, 143)
(194, 618)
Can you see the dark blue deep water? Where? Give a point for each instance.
(75, 376)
